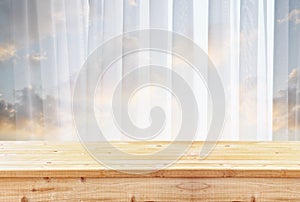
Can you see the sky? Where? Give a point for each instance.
(43, 45)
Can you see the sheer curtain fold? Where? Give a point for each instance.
(286, 68)
(254, 45)
(200, 37)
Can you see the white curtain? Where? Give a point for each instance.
(254, 45)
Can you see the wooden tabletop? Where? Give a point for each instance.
(228, 159)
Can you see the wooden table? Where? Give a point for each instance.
(234, 171)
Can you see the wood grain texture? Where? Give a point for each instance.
(228, 159)
(150, 189)
(234, 171)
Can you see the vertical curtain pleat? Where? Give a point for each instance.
(25, 120)
(8, 121)
(160, 17)
(269, 36)
(280, 88)
(219, 47)
(297, 65)
(131, 22)
(95, 38)
(293, 68)
(291, 94)
(233, 100)
(182, 24)
(254, 45)
(248, 69)
(262, 79)
(200, 37)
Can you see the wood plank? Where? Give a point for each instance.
(150, 189)
(234, 171)
(228, 159)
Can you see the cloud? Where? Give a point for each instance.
(132, 2)
(292, 78)
(7, 114)
(35, 117)
(36, 57)
(286, 106)
(7, 51)
(293, 16)
(29, 106)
